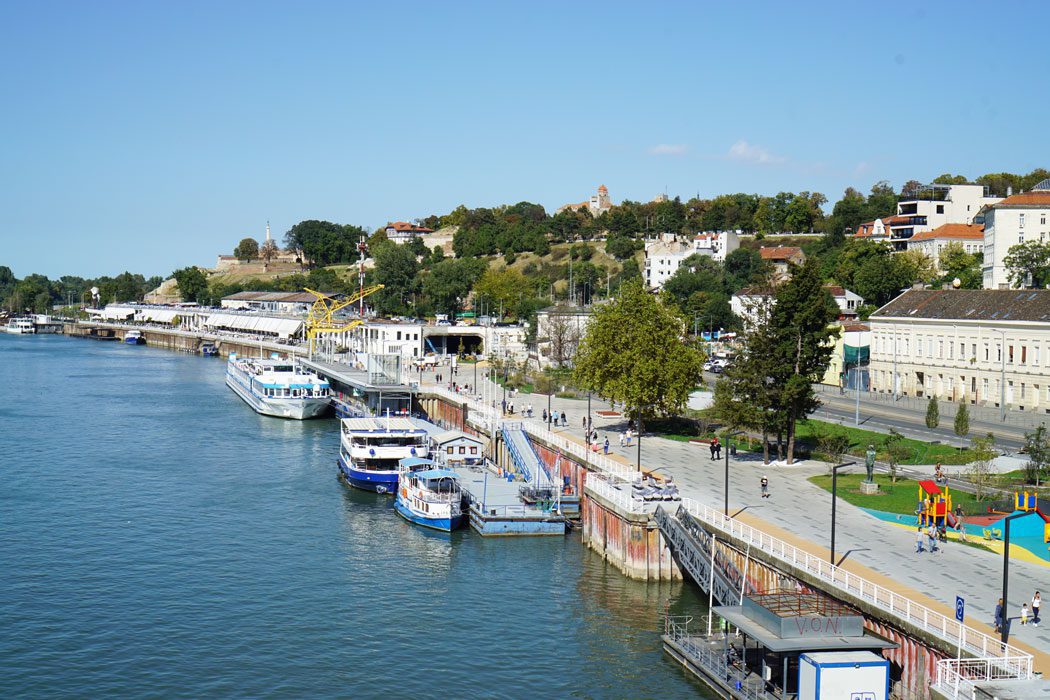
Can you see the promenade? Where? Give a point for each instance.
(800, 512)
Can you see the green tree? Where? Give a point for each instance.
(323, 243)
(743, 267)
(621, 247)
(1029, 264)
(633, 352)
(933, 414)
(896, 452)
(956, 263)
(501, 288)
(193, 284)
(247, 249)
(1037, 447)
(949, 179)
(801, 318)
(980, 472)
(397, 270)
(449, 282)
(962, 420)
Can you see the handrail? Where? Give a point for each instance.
(1008, 661)
(959, 676)
(516, 456)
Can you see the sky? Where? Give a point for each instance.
(147, 136)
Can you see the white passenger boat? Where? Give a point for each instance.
(430, 497)
(21, 326)
(278, 388)
(371, 449)
(134, 338)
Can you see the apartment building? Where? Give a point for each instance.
(988, 347)
(935, 205)
(1020, 218)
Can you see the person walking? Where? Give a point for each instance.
(584, 425)
(931, 537)
(564, 419)
(544, 415)
(503, 404)
(920, 537)
(622, 439)
(1036, 604)
(605, 446)
(711, 445)
(512, 408)
(1024, 614)
(718, 449)
(999, 616)
(764, 483)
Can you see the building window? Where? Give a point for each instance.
(1010, 354)
(473, 450)
(940, 348)
(1024, 354)
(1022, 221)
(973, 351)
(462, 450)
(450, 450)
(1035, 355)
(940, 208)
(984, 389)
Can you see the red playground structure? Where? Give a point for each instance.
(935, 506)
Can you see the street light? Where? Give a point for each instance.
(834, 498)
(728, 438)
(1005, 619)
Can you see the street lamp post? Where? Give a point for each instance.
(728, 438)
(1004, 621)
(834, 498)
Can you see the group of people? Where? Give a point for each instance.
(1037, 603)
(554, 416)
(928, 536)
(508, 407)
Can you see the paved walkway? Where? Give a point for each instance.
(803, 510)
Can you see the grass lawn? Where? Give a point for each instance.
(921, 452)
(902, 497)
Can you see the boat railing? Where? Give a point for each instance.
(715, 661)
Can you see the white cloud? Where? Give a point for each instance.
(750, 153)
(668, 149)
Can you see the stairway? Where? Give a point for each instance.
(525, 458)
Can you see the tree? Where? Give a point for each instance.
(268, 252)
(1037, 447)
(323, 243)
(915, 265)
(449, 282)
(1029, 264)
(501, 288)
(962, 420)
(563, 337)
(396, 269)
(744, 266)
(896, 452)
(956, 263)
(933, 415)
(193, 284)
(634, 353)
(801, 316)
(980, 472)
(247, 249)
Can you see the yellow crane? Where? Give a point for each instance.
(319, 319)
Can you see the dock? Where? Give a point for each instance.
(496, 507)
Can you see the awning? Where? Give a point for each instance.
(158, 315)
(117, 312)
(281, 327)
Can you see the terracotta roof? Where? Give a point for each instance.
(1026, 199)
(970, 305)
(755, 291)
(779, 253)
(953, 232)
(897, 220)
(406, 227)
(855, 327)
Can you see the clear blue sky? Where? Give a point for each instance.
(152, 135)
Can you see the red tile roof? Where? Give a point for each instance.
(406, 227)
(1026, 199)
(782, 252)
(968, 232)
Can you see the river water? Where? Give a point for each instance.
(160, 539)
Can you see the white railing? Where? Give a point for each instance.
(622, 499)
(957, 678)
(1003, 661)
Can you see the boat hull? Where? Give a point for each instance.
(443, 524)
(294, 409)
(368, 480)
(134, 341)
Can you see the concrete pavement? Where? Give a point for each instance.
(804, 510)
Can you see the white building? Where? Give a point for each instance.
(716, 244)
(401, 232)
(288, 303)
(1017, 219)
(935, 205)
(413, 341)
(981, 346)
(598, 204)
(931, 243)
(662, 259)
(751, 302)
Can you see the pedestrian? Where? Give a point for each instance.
(931, 537)
(711, 446)
(718, 449)
(503, 404)
(920, 537)
(564, 419)
(630, 436)
(544, 415)
(999, 616)
(1024, 614)
(622, 440)
(605, 446)
(584, 424)
(554, 417)
(512, 408)
(530, 410)
(1037, 602)
(764, 483)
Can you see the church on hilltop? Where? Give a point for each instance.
(597, 204)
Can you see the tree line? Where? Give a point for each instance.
(36, 293)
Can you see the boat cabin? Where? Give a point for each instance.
(453, 448)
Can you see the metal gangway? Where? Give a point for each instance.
(525, 458)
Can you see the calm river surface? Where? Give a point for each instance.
(160, 539)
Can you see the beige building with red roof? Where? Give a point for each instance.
(401, 231)
(597, 204)
(1020, 218)
(781, 257)
(931, 243)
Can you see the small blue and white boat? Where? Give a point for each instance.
(370, 450)
(208, 349)
(134, 338)
(431, 498)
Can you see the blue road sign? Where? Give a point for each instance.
(960, 608)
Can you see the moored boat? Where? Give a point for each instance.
(279, 388)
(370, 450)
(21, 326)
(431, 498)
(208, 349)
(134, 338)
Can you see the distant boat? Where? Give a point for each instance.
(134, 338)
(209, 349)
(431, 498)
(370, 450)
(21, 326)
(279, 388)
